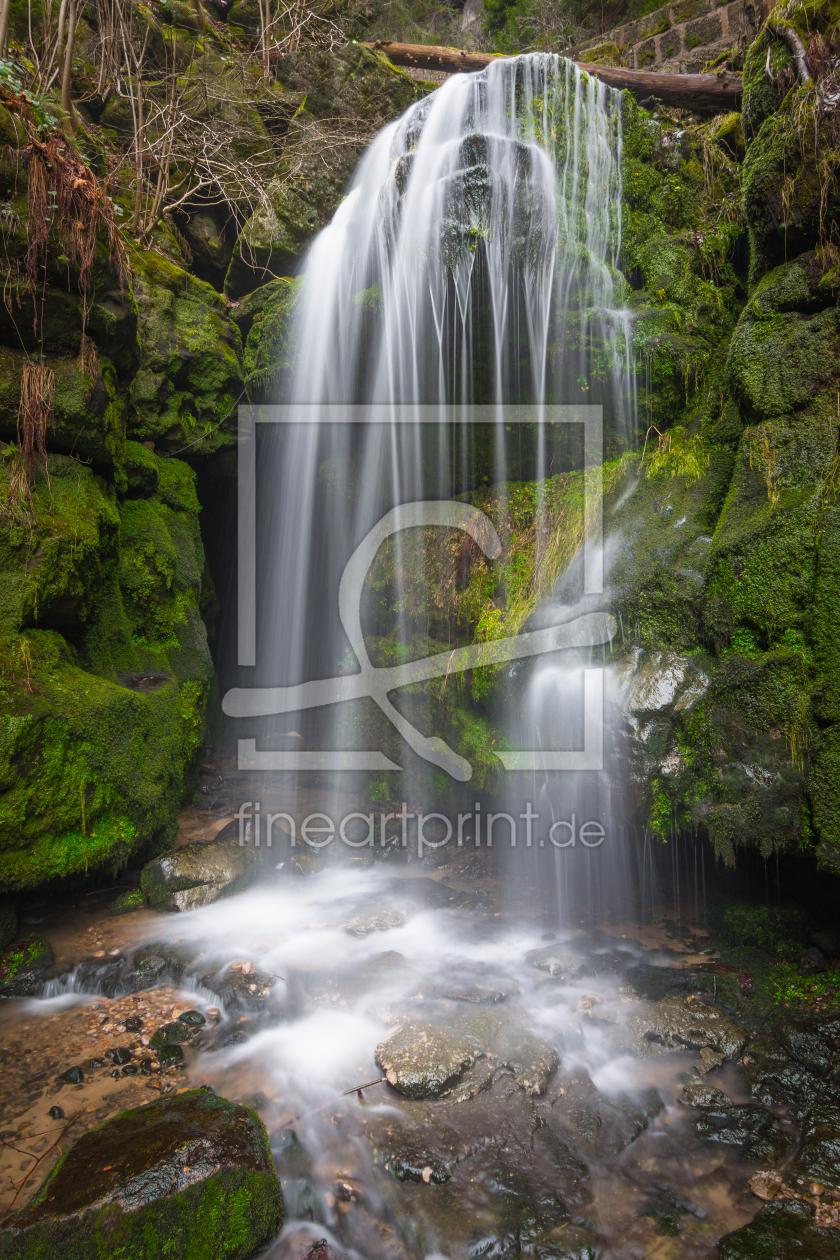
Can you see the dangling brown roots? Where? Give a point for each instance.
(67, 198)
(18, 508)
(37, 394)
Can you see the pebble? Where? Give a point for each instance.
(118, 1055)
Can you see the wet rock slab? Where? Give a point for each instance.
(747, 1126)
(680, 1024)
(422, 1060)
(781, 1231)
(193, 1172)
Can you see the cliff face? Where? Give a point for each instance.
(728, 516)
(731, 605)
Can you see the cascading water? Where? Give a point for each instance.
(472, 264)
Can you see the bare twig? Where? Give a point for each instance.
(38, 1160)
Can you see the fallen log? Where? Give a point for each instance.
(705, 93)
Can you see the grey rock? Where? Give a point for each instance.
(531, 1060)
(812, 961)
(747, 1126)
(699, 1094)
(421, 1060)
(557, 960)
(198, 874)
(680, 1024)
(375, 920)
(818, 1157)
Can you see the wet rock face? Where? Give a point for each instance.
(677, 1024)
(781, 1231)
(423, 1061)
(795, 1064)
(749, 1127)
(193, 1169)
(198, 874)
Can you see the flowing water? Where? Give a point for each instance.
(472, 265)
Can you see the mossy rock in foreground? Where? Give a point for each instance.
(190, 1175)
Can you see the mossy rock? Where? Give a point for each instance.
(24, 967)
(197, 874)
(267, 350)
(790, 204)
(781, 931)
(102, 703)
(781, 359)
(193, 1170)
(190, 378)
(89, 410)
(332, 95)
(133, 899)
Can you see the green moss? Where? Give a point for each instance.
(778, 930)
(103, 697)
(133, 899)
(347, 92)
(267, 351)
(190, 377)
(29, 953)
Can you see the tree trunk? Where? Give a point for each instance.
(712, 93)
(66, 79)
(5, 7)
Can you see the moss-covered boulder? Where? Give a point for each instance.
(191, 1174)
(24, 967)
(107, 670)
(190, 377)
(267, 312)
(781, 1231)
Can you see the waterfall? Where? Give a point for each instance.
(473, 263)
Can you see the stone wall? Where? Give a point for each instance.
(681, 38)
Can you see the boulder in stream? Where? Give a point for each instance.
(422, 1060)
(682, 1024)
(199, 873)
(191, 1174)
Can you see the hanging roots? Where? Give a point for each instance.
(65, 197)
(37, 394)
(18, 508)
